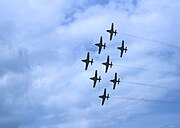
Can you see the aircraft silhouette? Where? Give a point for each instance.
(103, 97)
(100, 45)
(122, 48)
(95, 79)
(107, 64)
(111, 31)
(87, 61)
(115, 80)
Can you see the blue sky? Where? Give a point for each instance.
(42, 79)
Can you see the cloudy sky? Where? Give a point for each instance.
(43, 83)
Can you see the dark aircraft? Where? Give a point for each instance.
(100, 45)
(122, 48)
(115, 80)
(103, 97)
(87, 61)
(111, 31)
(95, 79)
(107, 64)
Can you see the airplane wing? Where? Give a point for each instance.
(105, 92)
(111, 34)
(95, 79)
(107, 66)
(100, 49)
(121, 52)
(112, 26)
(101, 40)
(123, 44)
(100, 44)
(114, 86)
(96, 73)
(104, 97)
(103, 100)
(115, 76)
(107, 63)
(87, 63)
(94, 85)
(86, 66)
(88, 56)
(108, 59)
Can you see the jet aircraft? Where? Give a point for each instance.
(100, 45)
(122, 48)
(111, 31)
(87, 61)
(95, 79)
(103, 97)
(107, 64)
(115, 80)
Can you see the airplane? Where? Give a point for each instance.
(115, 80)
(111, 31)
(122, 48)
(87, 61)
(107, 64)
(100, 45)
(103, 97)
(95, 79)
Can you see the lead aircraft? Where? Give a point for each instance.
(111, 31)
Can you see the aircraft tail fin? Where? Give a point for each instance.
(115, 32)
(99, 78)
(108, 97)
(104, 45)
(126, 49)
(111, 64)
(92, 61)
(119, 80)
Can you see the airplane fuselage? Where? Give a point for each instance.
(102, 97)
(87, 61)
(94, 78)
(106, 64)
(114, 81)
(111, 31)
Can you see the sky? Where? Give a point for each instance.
(43, 83)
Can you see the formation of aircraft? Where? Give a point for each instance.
(115, 80)
(104, 96)
(111, 31)
(122, 48)
(107, 64)
(95, 79)
(87, 61)
(100, 45)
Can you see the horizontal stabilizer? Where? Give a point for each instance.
(92, 61)
(99, 78)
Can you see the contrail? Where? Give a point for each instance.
(129, 67)
(143, 84)
(146, 100)
(138, 68)
(152, 40)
